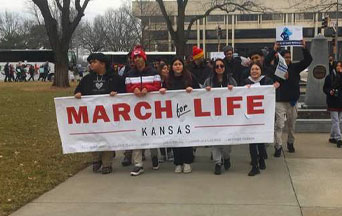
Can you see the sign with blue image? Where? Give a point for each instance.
(289, 35)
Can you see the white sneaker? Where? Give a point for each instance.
(187, 168)
(178, 169)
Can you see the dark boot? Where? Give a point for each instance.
(227, 164)
(262, 164)
(277, 152)
(290, 147)
(254, 171)
(107, 170)
(127, 160)
(96, 166)
(339, 143)
(217, 169)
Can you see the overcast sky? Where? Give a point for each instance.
(95, 7)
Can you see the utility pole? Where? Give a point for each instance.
(336, 35)
(219, 34)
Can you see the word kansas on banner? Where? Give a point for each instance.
(175, 119)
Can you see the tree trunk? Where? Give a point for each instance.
(180, 47)
(61, 68)
(181, 40)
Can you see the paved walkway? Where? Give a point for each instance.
(305, 183)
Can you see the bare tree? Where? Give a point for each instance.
(91, 36)
(11, 31)
(314, 5)
(121, 29)
(180, 35)
(146, 36)
(60, 25)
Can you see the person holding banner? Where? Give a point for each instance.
(258, 150)
(333, 89)
(163, 71)
(180, 78)
(220, 79)
(100, 81)
(287, 96)
(140, 80)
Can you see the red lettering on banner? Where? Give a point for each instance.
(251, 104)
(231, 105)
(217, 105)
(137, 110)
(159, 109)
(198, 108)
(121, 109)
(100, 113)
(82, 114)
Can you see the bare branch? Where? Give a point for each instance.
(167, 18)
(59, 5)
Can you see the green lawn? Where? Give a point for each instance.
(31, 159)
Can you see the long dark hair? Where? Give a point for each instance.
(337, 77)
(186, 75)
(224, 75)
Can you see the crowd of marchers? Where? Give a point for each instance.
(195, 72)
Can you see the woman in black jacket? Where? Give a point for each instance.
(220, 79)
(180, 78)
(257, 149)
(333, 89)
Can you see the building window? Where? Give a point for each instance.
(308, 16)
(247, 17)
(308, 32)
(304, 16)
(215, 18)
(159, 35)
(157, 19)
(188, 18)
(332, 15)
(255, 33)
(272, 16)
(193, 35)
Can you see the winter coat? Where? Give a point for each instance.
(333, 82)
(148, 78)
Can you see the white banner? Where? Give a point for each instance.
(289, 35)
(282, 67)
(176, 119)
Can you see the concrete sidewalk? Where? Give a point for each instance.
(305, 183)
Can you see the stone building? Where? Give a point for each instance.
(244, 31)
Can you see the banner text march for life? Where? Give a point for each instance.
(176, 119)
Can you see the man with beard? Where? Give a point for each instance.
(233, 65)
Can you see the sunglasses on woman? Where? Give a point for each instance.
(220, 66)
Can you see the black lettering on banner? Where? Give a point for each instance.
(153, 133)
(187, 129)
(162, 130)
(143, 130)
(181, 110)
(170, 130)
(179, 130)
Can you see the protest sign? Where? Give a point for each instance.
(281, 69)
(176, 119)
(289, 35)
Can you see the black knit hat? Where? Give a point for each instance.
(98, 56)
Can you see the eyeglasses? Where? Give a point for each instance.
(220, 66)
